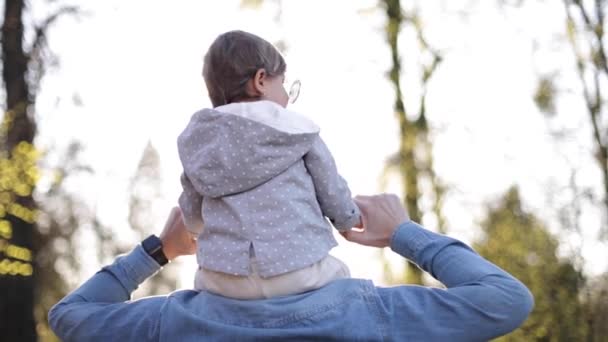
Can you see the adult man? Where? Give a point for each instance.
(481, 301)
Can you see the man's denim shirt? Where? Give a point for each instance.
(480, 302)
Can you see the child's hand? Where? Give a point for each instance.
(380, 216)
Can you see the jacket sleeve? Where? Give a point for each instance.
(100, 310)
(480, 301)
(331, 189)
(190, 202)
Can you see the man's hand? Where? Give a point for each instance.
(380, 216)
(176, 239)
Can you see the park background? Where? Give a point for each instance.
(488, 118)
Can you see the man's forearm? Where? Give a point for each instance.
(112, 284)
(482, 296)
(116, 282)
(435, 253)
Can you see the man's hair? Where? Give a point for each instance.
(232, 59)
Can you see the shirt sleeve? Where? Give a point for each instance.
(100, 309)
(332, 192)
(190, 202)
(480, 301)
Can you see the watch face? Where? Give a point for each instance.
(154, 247)
(151, 244)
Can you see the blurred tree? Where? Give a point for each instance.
(414, 159)
(38, 246)
(585, 32)
(143, 204)
(596, 305)
(22, 70)
(63, 218)
(18, 177)
(585, 28)
(518, 242)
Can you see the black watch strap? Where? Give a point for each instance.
(154, 247)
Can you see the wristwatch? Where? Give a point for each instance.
(154, 247)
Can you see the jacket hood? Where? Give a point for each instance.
(236, 147)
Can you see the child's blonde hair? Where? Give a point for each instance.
(232, 59)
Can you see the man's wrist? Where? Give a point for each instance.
(153, 246)
(409, 238)
(400, 225)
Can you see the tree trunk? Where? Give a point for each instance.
(18, 130)
(407, 129)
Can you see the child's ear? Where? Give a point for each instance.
(259, 82)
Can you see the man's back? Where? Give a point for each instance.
(345, 310)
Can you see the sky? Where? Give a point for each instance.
(134, 68)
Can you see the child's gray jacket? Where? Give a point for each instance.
(262, 180)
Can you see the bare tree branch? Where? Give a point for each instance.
(42, 29)
(592, 89)
(597, 29)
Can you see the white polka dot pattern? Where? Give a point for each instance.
(260, 190)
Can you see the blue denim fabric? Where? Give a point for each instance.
(481, 302)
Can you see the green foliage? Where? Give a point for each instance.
(545, 94)
(519, 242)
(18, 176)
